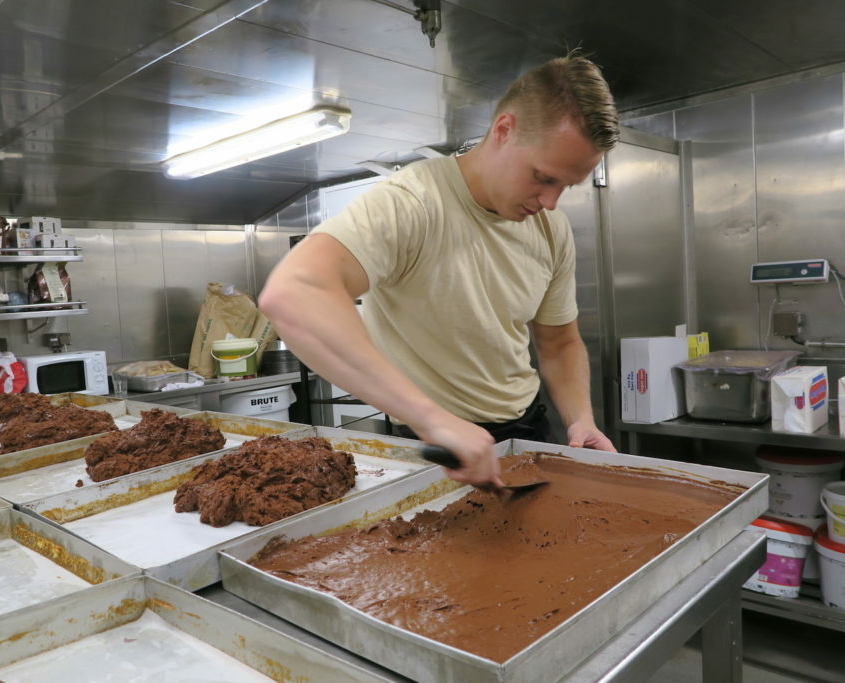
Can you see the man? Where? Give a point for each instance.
(462, 261)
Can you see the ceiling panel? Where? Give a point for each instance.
(94, 94)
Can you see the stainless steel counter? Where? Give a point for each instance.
(207, 397)
(825, 438)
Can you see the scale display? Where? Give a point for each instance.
(793, 272)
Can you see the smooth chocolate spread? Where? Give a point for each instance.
(266, 480)
(490, 575)
(49, 424)
(159, 438)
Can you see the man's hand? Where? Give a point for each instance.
(586, 435)
(472, 445)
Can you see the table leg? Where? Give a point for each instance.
(721, 643)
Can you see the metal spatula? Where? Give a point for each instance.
(443, 456)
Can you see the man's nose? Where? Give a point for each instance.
(548, 197)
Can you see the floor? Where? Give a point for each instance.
(776, 651)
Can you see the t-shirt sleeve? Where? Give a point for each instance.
(383, 229)
(559, 305)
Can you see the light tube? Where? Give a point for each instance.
(277, 136)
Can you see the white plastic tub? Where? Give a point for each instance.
(796, 482)
(786, 549)
(273, 403)
(832, 500)
(831, 567)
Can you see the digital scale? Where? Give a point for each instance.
(790, 272)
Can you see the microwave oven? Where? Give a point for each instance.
(83, 372)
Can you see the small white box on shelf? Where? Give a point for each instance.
(41, 224)
(800, 399)
(651, 391)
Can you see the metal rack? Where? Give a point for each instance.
(20, 257)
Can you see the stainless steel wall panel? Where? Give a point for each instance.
(227, 258)
(580, 204)
(646, 237)
(724, 213)
(186, 271)
(801, 195)
(93, 280)
(141, 290)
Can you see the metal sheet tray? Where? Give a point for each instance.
(133, 517)
(39, 562)
(156, 382)
(45, 470)
(112, 629)
(422, 659)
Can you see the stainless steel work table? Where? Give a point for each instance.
(207, 396)
(708, 600)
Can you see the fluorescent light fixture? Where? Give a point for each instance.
(277, 136)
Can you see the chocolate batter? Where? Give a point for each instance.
(266, 480)
(489, 575)
(42, 425)
(159, 438)
(12, 405)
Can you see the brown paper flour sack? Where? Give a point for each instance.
(225, 313)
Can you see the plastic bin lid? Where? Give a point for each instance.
(823, 539)
(762, 363)
(785, 527)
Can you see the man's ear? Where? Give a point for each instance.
(503, 128)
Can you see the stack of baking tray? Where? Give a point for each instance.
(133, 517)
(549, 657)
(38, 472)
(138, 628)
(39, 562)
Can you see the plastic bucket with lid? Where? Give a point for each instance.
(786, 548)
(831, 568)
(832, 499)
(235, 357)
(796, 482)
(272, 404)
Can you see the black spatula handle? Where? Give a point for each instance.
(440, 456)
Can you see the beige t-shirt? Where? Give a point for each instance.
(454, 286)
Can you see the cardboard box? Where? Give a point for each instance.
(41, 224)
(799, 399)
(699, 344)
(53, 241)
(651, 391)
(19, 241)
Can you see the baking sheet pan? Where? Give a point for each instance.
(422, 659)
(39, 562)
(46, 470)
(133, 517)
(140, 629)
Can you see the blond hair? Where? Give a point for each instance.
(565, 87)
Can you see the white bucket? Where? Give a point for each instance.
(786, 548)
(795, 483)
(235, 357)
(832, 499)
(832, 568)
(273, 403)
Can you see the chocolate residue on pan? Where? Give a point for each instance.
(159, 438)
(491, 577)
(50, 424)
(266, 480)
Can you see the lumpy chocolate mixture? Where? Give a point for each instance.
(266, 480)
(491, 575)
(12, 405)
(48, 424)
(159, 438)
